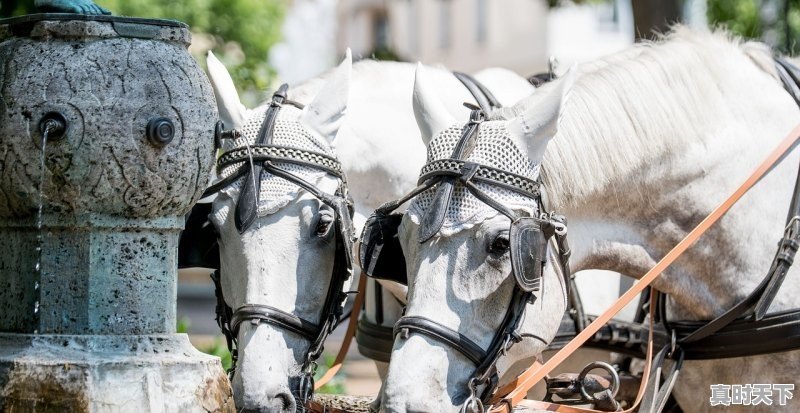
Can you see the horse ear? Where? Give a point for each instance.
(431, 114)
(538, 123)
(326, 113)
(231, 110)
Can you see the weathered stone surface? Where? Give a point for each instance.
(51, 373)
(102, 337)
(108, 88)
(99, 275)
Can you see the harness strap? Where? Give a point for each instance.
(534, 375)
(482, 95)
(482, 173)
(275, 153)
(358, 302)
(433, 219)
(247, 204)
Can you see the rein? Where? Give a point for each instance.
(511, 395)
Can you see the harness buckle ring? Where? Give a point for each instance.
(615, 383)
(473, 404)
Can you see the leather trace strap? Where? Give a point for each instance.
(504, 401)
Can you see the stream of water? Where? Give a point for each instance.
(37, 286)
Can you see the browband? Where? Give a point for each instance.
(275, 153)
(480, 173)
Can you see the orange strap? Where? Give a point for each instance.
(534, 375)
(555, 407)
(348, 336)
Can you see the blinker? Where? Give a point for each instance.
(528, 252)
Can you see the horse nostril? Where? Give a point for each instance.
(287, 402)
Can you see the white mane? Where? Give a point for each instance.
(627, 130)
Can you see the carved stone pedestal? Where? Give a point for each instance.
(88, 323)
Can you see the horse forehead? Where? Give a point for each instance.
(288, 131)
(494, 147)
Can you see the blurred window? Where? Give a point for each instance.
(444, 24)
(481, 21)
(381, 31)
(413, 29)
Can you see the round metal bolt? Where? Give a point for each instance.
(160, 131)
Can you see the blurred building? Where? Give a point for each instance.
(465, 35)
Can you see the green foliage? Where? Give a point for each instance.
(739, 16)
(220, 349)
(743, 18)
(240, 32)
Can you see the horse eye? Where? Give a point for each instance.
(500, 244)
(324, 223)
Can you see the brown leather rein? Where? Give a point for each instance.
(511, 395)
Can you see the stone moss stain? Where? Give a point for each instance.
(44, 393)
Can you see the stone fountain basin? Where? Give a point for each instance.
(108, 77)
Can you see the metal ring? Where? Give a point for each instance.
(603, 366)
(473, 405)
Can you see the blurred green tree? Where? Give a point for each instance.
(775, 21)
(240, 32)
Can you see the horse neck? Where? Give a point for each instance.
(640, 213)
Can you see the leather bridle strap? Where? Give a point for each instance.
(247, 204)
(274, 316)
(528, 379)
(441, 333)
(482, 95)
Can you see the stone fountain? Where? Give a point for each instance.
(90, 215)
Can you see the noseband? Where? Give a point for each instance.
(254, 159)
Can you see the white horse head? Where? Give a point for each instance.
(284, 258)
(462, 277)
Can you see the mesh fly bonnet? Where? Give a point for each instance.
(493, 147)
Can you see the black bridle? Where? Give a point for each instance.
(528, 236)
(255, 159)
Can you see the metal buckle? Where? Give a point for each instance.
(305, 389)
(473, 404)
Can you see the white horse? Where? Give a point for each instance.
(363, 118)
(635, 151)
